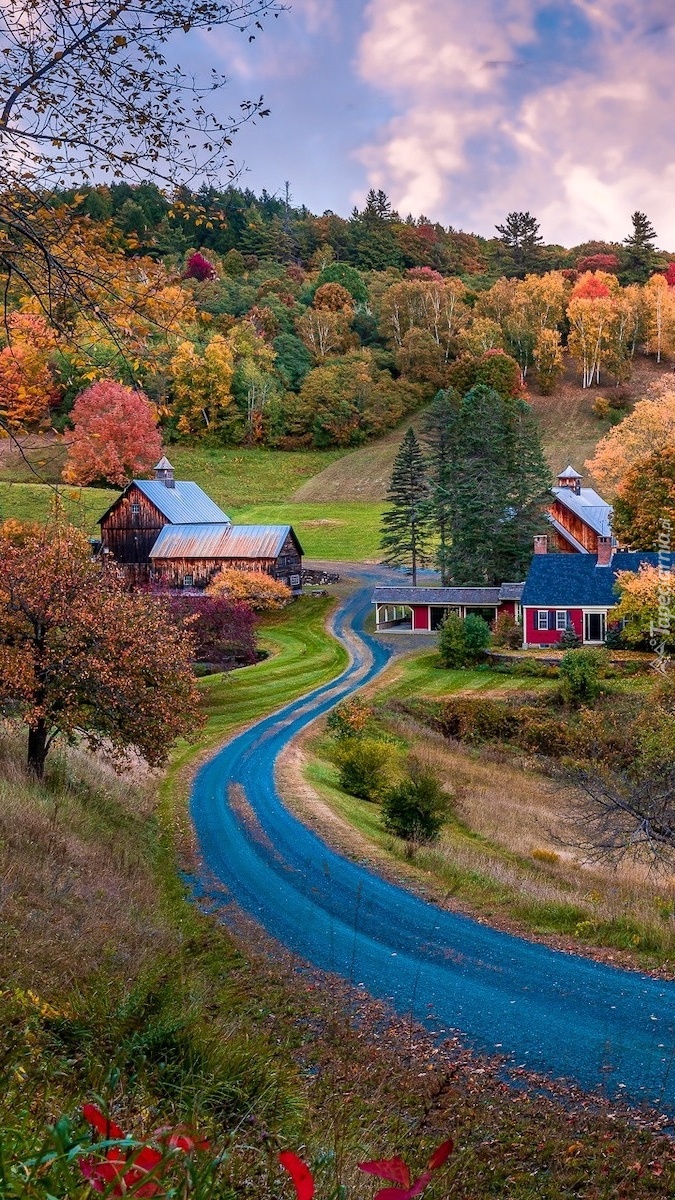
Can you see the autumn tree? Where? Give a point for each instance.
(334, 298)
(27, 386)
(202, 382)
(406, 522)
(644, 597)
(548, 360)
(649, 429)
(325, 332)
(591, 314)
(83, 658)
(645, 503)
(256, 588)
(198, 267)
(114, 438)
(659, 305)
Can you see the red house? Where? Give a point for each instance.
(424, 609)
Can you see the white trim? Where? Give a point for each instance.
(561, 612)
(542, 612)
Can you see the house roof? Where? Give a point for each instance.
(221, 541)
(184, 504)
(445, 595)
(588, 506)
(569, 473)
(576, 581)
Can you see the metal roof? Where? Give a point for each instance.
(576, 581)
(163, 464)
(588, 506)
(184, 504)
(221, 541)
(569, 473)
(567, 535)
(439, 595)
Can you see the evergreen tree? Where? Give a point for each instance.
(440, 434)
(520, 235)
(406, 524)
(500, 484)
(640, 255)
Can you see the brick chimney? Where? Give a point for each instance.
(541, 543)
(605, 551)
(164, 472)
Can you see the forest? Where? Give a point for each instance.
(243, 320)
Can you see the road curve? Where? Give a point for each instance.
(555, 1013)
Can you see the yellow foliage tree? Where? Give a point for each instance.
(202, 396)
(646, 605)
(257, 589)
(548, 359)
(659, 303)
(649, 428)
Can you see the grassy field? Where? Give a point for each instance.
(33, 501)
(339, 531)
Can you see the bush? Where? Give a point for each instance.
(349, 719)
(580, 676)
(365, 767)
(224, 631)
(417, 808)
(507, 632)
(257, 589)
(570, 639)
(462, 643)
(478, 720)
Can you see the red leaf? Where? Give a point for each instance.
(441, 1154)
(147, 1158)
(299, 1173)
(420, 1184)
(100, 1122)
(392, 1194)
(388, 1168)
(101, 1175)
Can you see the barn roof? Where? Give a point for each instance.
(442, 595)
(183, 504)
(575, 580)
(221, 541)
(588, 506)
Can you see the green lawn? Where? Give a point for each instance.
(237, 476)
(32, 501)
(343, 532)
(422, 675)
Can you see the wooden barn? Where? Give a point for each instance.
(170, 530)
(579, 516)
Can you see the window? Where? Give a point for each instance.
(561, 620)
(135, 510)
(187, 581)
(295, 581)
(542, 618)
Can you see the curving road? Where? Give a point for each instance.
(555, 1013)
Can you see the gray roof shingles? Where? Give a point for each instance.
(444, 595)
(576, 581)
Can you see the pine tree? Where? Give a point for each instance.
(640, 252)
(440, 433)
(406, 524)
(499, 490)
(520, 235)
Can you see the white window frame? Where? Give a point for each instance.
(595, 612)
(561, 613)
(542, 612)
(135, 509)
(188, 581)
(295, 581)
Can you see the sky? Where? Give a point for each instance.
(464, 110)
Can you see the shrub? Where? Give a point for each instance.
(580, 676)
(417, 808)
(478, 720)
(570, 639)
(224, 631)
(462, 642)
(257, 589)
(349, 719)
(507, 632)
(365, 767)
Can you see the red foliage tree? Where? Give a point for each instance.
(590, 288)
(198, 267)
(598, 262)
(425, 274)
(115, 435)
(670, 275)
(223, 631)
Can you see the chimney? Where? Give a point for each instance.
(541, 543)
(605, 551)
(164, 472)
(569, 478)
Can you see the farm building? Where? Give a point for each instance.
(574, 591)
(579, 516)
(170, 530)
(423, 610)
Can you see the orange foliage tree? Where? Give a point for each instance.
(82, 657)
(649, 429)
(257, 589)
(115, 435)
(645, 504)
(27, 388)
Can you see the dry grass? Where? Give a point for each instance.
(77, 892)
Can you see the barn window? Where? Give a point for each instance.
(295, 581)
(561, 619)
(135, 510)
(188, 581)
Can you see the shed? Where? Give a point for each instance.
(423, 610)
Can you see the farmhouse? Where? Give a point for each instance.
(169, 530)
(579, 516)
(423, 610)
(574, 591)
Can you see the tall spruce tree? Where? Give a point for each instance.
(406, 524)
(499, 487)
(440, 431)
(640, 253)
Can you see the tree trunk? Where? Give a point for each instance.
(37, 748)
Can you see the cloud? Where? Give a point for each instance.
(565, 110)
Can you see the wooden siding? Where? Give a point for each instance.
(172, 572)
(578, 528)
(128, 535)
